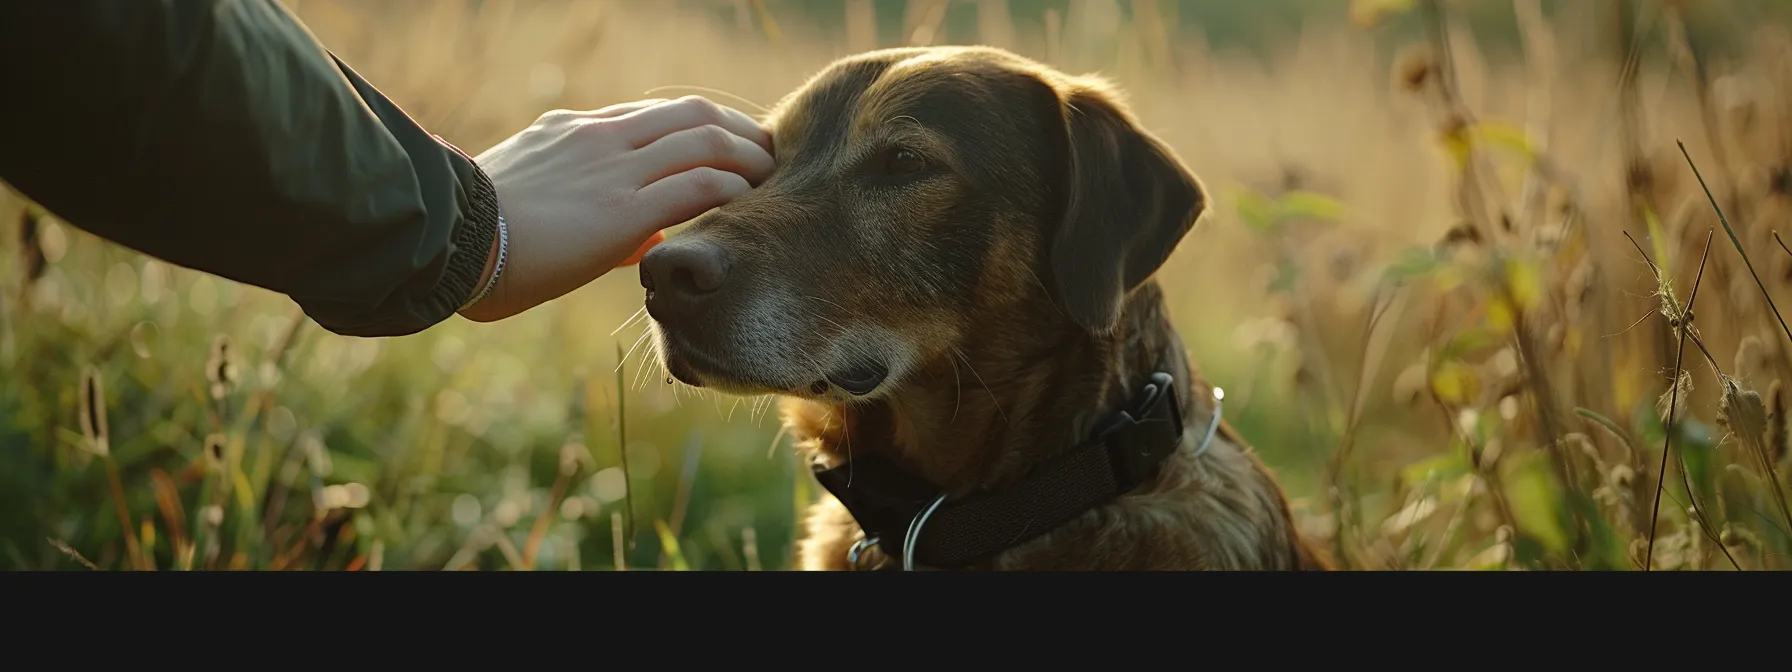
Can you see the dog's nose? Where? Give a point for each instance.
(679, 273)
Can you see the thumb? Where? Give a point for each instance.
(655, 239)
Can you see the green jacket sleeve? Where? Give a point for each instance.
(220, 136)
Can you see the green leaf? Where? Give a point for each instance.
(1648, 424)
(1257, 212)
(1657, 239)
(1524, 281)
(1441, 467)
(1537, 505)
(669, 543)
(1472, 341)
(1528, 552)
(1413, 262)
(1609, 425)
(1263, 214)
(1505, 135)
(1311, 204)
(1693, 443)
(1455, 383)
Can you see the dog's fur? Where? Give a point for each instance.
(999, 269)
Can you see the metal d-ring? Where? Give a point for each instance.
(857, 552)
(1213, 424)
(914, 533)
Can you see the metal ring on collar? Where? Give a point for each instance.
(914, 534)
(857, 553)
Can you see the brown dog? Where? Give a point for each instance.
(949, 279)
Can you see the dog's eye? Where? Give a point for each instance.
(901, 161)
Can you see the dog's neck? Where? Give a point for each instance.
(995, 408)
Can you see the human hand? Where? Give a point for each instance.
(585, 192)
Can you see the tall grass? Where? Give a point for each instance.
(1448, 286)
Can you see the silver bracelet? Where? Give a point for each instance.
(498, 269)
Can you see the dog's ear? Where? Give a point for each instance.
(1127, 201)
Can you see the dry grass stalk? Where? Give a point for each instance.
(1776, 422)
(1670, 405)
(618, 549)
(569, 468)
(73, 554)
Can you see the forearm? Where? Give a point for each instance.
(220, 136)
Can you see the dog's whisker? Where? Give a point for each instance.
(635, 382)
(846, 438)
(957, 391)
(993, 400)
(631, 350)
(1043, 288)
(653, 353)
(631, 320)
(773, 450)
(827, 423)
(825, 318)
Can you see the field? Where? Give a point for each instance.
(1449, 277)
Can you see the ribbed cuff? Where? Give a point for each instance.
(473, 239)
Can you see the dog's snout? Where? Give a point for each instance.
(678, 274)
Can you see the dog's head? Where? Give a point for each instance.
(918, 192)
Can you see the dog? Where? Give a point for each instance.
(948, 279)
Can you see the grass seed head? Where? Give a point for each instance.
(1678, 396)
(93, 411)
(1742, 412)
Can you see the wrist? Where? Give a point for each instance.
(480, 244)
(492, 275)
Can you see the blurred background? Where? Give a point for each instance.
(1415, 286)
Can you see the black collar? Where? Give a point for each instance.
(898, 509)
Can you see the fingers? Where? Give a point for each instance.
(655, 239)
(620, 109)
(609, 112)
(681, 197)
(644, 126)
(705, 146)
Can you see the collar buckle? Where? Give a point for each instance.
(1139, 438)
